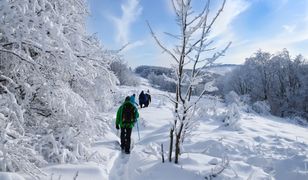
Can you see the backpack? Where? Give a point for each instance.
(128, 113)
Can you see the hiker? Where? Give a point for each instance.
(148, 98)
(142, 99)
(133, 100)
(127, 115)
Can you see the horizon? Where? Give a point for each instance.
(250, 25)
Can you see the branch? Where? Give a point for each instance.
(18, 55)
(123, 47)
(169, 97)
(217, 54)
(175, 9)
(160, 44)
(204, 11)
(195, 103)
(218, 169)
(215, 18)
(209, 27)
(172, 35)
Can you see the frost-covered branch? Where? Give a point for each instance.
(160, 44)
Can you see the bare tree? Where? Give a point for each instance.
(195, 50)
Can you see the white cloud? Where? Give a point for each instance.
(291, 38)
(289, 28)
(232, 9)
(131, 9)
(169, 7)
(222, 31)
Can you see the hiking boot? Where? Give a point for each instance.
(127, 152)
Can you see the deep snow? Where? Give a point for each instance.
(261, 147)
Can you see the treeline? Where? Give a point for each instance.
(164, 78)
(277, 79)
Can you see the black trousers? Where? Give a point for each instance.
(125, 138)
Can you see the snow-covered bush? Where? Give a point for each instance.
(233, 97)
(261, 107)
(232, 117)
(125, 75)
(242, 101)
(210, 108)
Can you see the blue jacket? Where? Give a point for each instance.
(133, 100)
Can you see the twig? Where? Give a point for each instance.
(162, 153)
(76, 175)
(160, 44)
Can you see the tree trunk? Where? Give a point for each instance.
(175, 124)
(162, 153)
(177, 144)
(171, 144)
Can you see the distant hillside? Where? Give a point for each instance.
(157, 75)
(144, 70)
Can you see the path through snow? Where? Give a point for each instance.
(263, 147)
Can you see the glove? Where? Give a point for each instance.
(117, 126)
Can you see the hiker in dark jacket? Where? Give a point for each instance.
(127, 115)
(142, 99)
(148, 98)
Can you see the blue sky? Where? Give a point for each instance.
(270, 25)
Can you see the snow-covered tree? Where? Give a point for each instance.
(125, 75)
(194, 49)
(277, 79)
(62, 78)
(16, 152)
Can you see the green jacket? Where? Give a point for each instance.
(119, 120)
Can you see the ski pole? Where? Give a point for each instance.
(138, 130)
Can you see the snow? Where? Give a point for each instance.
(264, 147)
(10, 176)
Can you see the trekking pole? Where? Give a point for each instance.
(138, 130)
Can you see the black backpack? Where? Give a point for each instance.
(128, 113)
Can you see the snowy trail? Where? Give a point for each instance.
(119, 169)
(151, 130)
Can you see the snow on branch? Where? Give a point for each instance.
(193, 41)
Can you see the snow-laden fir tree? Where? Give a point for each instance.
(194, 50)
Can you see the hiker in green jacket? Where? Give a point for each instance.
(127, 115)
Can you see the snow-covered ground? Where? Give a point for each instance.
(261, 147)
